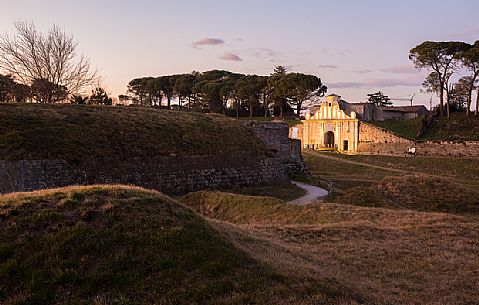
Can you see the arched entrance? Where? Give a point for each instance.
(329, 139)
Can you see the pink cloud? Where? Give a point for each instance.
(363, 71)
(207, 42)
(332, 67)
(230, 56)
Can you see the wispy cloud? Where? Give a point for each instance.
(345, 52)
(378, 83)
(331, 67)
(363, 71)
(341, 52)
(264, 52)
(207, 42)
(402, 69)
(231, 57)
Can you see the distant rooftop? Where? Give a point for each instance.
(403, 108)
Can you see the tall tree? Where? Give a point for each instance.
(46, 92)
(167, 86)
(458, 95)
(136, 88)
(265, 93)
(99, 97)
(184, 87)
(280, 70)
(470, 60)
(79, 99)
(22, 93)
(51, 60)
(379, 99)
(440, 57)
(248, 88)
(303, 87)
(279, 91)
(7, 86)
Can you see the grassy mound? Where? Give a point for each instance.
(78, 132)
(284, 191)
(361, 196)
(428, 193)
(245, 209)
(456, 128)
(123, 245)
(405, 128)
(419, 192)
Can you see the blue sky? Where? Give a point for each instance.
(356, 47)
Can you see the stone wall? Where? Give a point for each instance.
(171, 174)
(276, 136)
(378, 141)
(369, 133)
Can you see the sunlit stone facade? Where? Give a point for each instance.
(330, 127)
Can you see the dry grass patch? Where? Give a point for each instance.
(386, 256)
(428, 193)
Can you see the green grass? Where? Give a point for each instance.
(243, 209)
(428, 193)
(283, 191)
(426, 184)
(270, 119)
(456, 128)
(343, 175)
(405, 128)
(79, 132)
(461, 170)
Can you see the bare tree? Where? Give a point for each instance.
(50, 59)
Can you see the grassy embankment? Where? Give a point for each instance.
(405, 128)
(455, 128)
(420, 183)
(119, 134)
(125, 245)
(76, 132)
(386, 256)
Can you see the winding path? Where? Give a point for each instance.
(312, 193)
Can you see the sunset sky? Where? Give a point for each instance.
(356, 47)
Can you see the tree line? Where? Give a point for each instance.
(40, 91)
(226, 92)
(443, 60)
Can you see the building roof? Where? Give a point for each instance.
(408, 109)
(335, 95)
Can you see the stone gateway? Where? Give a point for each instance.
(330, 127)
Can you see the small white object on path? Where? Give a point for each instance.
(312, 193)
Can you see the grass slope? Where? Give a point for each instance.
(405, 128)
(124, 245)
(284, 191)
(387, 256)
(244, 209)
(78, 132)
(456, 128)
(418, 183)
